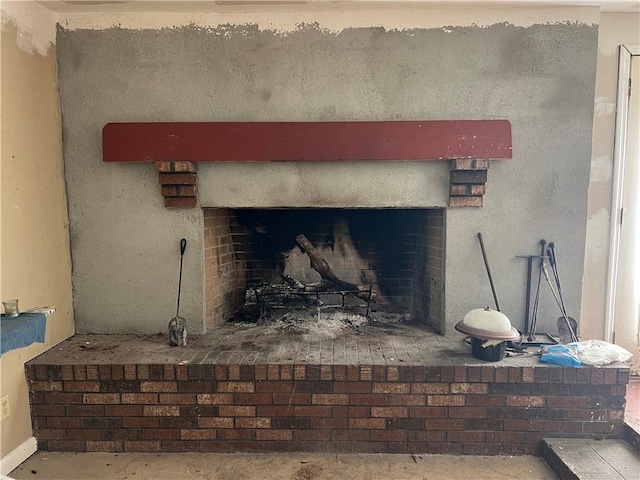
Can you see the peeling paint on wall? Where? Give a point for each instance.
(339, 18)
(604, 106)
(36, 25)
(601, 169)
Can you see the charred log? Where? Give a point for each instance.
(320, 265)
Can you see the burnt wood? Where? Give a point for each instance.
(306, 141)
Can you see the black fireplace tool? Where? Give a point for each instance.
(178, 325)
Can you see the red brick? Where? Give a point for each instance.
(140, 422)
(237, 411)
(351, 435)
(82, 434)
(175, 166)
(465, 201)
(248, 422)
(390, 412)
(457, 436)
(161, 411)
(292, 398)
(48, 410)
(588, 415)
(215, 422)
(147, 387)
(524, 425)
(402, 388)
(64, 422)
(45, 386)
(312, 435)
(215, 398)
(467, 412)
(221, 372)
(79, 372)
(183, 445)
(340, 373)
(274, 411)
(276, 386)
(66, 446)
(444, 424)
(178, 190)
(129, 372)
(177, 398)
(378, 399)
(182, 178)
(477, 388)
(428, 412)
(117, 372)
(326, 372)
(101, 398)
(141, 398)
(300, 372)
(168, 372)
(329, 423)
(67, 372)
(524, 401)
(84, 410)
(393, 373)
(430, 388)
(351, 411)
(260, 372)
(93, 373)
(123, 410)
(352, 387)
(253, 398)
(160, 434)
(367, 423)
(409, 400)
(273, 372)
(104, 446)
(197, 434)
(233, 372)
(286, 372)
(485, 400)
(329, 399)
(274, 434)
(143, 372)
(104, 372)
(241, 387)
(562, 427)
(353, 373)
(180, 202)
(441, 400)
(366, 373)
(182, 372)
(312, 411)
(142, 446)
(566, 402)
(62, 397)
(505, 437)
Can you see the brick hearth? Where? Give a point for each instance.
(397, 390)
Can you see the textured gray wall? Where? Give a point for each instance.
(125, 243)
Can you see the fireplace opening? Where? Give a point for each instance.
(383, 264)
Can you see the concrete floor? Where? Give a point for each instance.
(286, 466)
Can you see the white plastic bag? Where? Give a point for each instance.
(599, 352)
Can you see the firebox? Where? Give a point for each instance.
(388, 261)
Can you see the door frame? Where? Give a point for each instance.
(625, 53)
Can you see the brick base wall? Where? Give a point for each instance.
(329, 408)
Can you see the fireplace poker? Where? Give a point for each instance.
(178, 325)
(486, 264)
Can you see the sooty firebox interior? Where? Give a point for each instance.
(372, 261)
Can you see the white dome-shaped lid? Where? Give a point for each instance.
(489, 324)
(487, 319)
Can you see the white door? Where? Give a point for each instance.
(626, 321)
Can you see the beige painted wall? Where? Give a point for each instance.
(615, 29)
(36, 264)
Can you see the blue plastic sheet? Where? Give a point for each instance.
(21, 331)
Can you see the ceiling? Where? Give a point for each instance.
(186, 6)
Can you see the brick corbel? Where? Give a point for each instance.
(468, 181)
(178, 182)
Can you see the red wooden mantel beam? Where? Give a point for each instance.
(306, 141)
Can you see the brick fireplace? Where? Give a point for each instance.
(399, 253)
